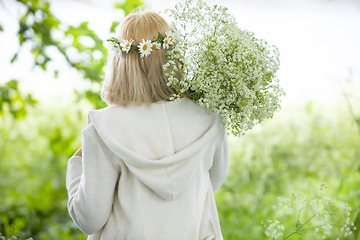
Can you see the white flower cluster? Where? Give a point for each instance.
(315, 217)
(348, 227)
(284, 206)
(323, 186)
(145, 47)
(14, 237)
(274, 229)
(227, 69)
(327, 229)
(300, 202)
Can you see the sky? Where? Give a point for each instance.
(319, 43)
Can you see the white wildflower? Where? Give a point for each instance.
(170, 36)
(231, 71)
(115, 49)
(155, 45)
(144, 48)
(125, 45)
(274, 230)
(166, 43)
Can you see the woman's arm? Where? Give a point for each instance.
(219, 170)
(91, 181)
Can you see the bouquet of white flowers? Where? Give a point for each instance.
(226, 69)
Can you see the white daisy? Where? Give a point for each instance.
(155, 45)
(114, 48)
(116, 51)
(166, 43)
(111, 45)
(171, 36)
(125, 45)
(145, 48)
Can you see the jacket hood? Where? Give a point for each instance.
(162, 145)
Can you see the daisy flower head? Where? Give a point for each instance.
(126, 44)
(166, 43)
(171, 36)
(155, 45)
(145, 48)
(111, 45)
(115, 49)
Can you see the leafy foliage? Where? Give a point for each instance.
(12, 100)
(37, 27)
(292, 153)
(129, 5)
(38, 24)
(34, 154)
(313, 218)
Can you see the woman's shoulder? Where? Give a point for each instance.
(182, 103)
(182, 109)
(186, 107)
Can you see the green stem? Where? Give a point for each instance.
(313, 227)
(296, 231)
(303, 235)
(299, 214)
(134, 38)
(309, 219)
(289, 235)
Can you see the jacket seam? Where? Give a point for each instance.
(171, 192)
(223, 137)
(169, 128)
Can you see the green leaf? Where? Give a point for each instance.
(1, 28)
(13, 84)
(30, 100)
(14, 58)
(160, 37)
(38, 34)
(114, 40)
(113, 26)
(95, 99)
(15, 103)
(129, 5)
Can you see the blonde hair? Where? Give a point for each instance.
(134, 79)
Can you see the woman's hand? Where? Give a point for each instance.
(78, 152)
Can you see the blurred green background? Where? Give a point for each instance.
(303, 145)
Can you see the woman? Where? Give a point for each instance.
(148, 166)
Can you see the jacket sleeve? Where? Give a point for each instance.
(219, 170)
(90, 181)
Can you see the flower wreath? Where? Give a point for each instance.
(145, 47)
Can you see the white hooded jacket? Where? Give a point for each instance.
(148, 173)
